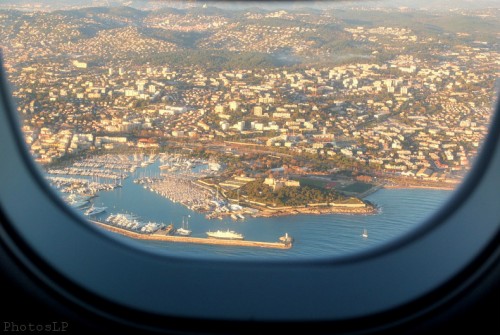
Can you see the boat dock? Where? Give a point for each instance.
(164, 236)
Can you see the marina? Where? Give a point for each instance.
(160, 209)
(312, 235)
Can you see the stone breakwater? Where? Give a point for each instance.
(166, 237)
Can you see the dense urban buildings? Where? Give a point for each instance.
(397, 95)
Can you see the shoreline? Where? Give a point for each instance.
(315, 211)
(361, 208)
(416, 187)
(369, 209)
(423, 187)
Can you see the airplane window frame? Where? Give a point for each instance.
(95, 268)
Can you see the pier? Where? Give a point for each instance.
(164, 236)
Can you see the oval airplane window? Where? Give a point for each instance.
(253, 130)
(304, 126)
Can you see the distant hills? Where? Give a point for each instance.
(220, 38)
(270, 5)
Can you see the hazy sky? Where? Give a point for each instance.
(149, 4)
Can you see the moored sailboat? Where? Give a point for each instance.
(184, 231)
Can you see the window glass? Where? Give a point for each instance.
(268, 130)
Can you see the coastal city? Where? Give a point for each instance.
(252, 113)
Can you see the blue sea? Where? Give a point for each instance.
(401, 210)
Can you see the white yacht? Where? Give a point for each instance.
(226, 235)
(93, 210)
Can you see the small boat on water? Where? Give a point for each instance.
(365, 233)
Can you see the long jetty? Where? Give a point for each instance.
(165, 236)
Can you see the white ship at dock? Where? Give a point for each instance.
(226, 235)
